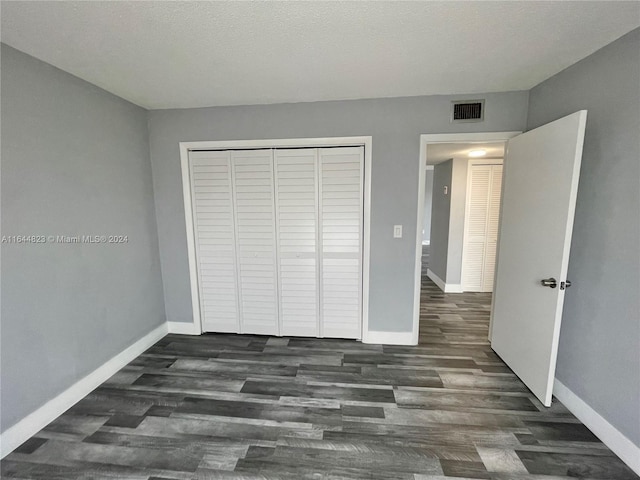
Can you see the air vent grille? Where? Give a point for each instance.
(468, 111)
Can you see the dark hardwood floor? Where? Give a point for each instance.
(254, 407)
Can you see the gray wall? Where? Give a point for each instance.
(428, 195)
(395, 125)
(599, 351)
(456, 221)
(447, 222)
(441, 210)
(75, 160)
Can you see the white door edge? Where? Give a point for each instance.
(582, 115)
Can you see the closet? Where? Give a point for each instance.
(278, 240)
(481, 226)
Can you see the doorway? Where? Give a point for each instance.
(535, 228)
(445, 167)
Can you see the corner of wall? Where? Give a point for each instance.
(155, 217)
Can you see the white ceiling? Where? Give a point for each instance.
(192, 54)
(440, 152)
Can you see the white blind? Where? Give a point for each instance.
(341, 213)
(213, 224)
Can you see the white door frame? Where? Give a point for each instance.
(425, 140)
(472, 161)
(185, 147)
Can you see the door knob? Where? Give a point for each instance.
(549, 282)
(564, 285)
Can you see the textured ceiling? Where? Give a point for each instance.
(193, 54)
(440, 152)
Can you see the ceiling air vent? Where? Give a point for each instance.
(467, 111)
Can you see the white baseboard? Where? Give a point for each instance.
(453, 288)
(445, 287)
(436, 279)
(619, 444)
(16, 435)
(183, 328)
(390, 338)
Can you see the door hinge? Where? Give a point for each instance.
(565, 285)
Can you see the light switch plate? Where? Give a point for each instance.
(397, 231)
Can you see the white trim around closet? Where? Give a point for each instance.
(186, 147)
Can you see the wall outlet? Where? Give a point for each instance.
(397, 231)
(446, 190)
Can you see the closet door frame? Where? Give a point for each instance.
(482, 161)
(196, 327)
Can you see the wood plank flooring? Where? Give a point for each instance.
(255, 407)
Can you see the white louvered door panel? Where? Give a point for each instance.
(341, 222)
(493, 217)
(256, 240)
(213, 222)
(297, 210)
(475, 227)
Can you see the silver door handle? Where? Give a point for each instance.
(549, 282)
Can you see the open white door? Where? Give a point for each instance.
(541, 171)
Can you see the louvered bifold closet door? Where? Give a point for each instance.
(296, 220)
(256, 240)
(213, 223)
(341, 224)
(476, 228)
(493, 218)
